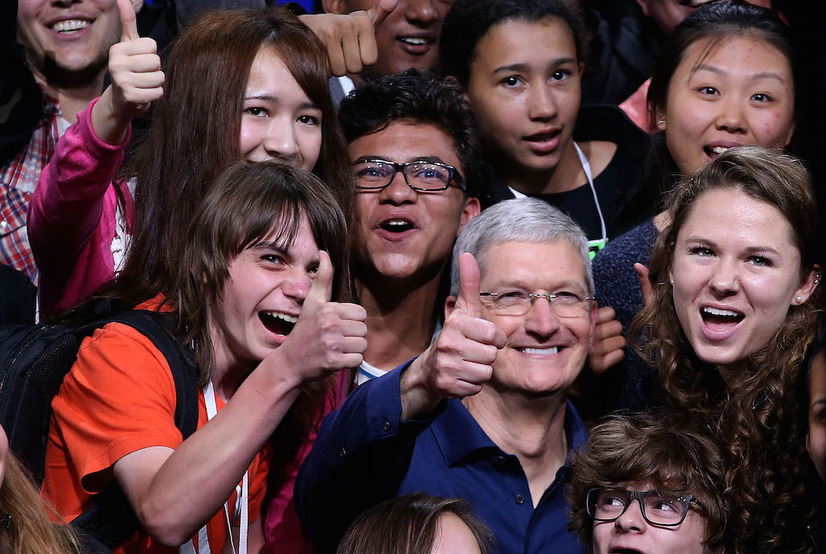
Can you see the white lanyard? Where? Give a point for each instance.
(586, 168)
(241, 503)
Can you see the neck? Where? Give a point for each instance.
(532, 429)
(566, 175)
(73, 97)
(401, 319)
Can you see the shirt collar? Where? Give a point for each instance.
(459, 435)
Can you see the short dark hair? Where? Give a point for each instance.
(672, 452)
(470, 20)
(716, 21)
(420, 97)
(408, 525)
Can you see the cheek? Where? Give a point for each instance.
(310, 147)
(773, 129)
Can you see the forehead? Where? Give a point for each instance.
(540, 265)
(743, 54)
(515, 41)
(715, 213)
(405, 140)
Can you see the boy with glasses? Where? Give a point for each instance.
(412, 148)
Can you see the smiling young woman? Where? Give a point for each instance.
(734, 308)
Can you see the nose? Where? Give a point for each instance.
(725, 278)
(730, 117)
(542, 105)
(296, 284)
(631, 521)
(421, 11)
(397, 192)
(541, 320)
(280, 141)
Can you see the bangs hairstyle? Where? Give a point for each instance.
(663, 451)
(249, 204)
(468, 21)
(716, 22)
(518, 220)
(195, 129)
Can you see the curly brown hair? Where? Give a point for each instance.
(668, 451)
(756, 417)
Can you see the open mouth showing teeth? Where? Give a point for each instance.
(397, 225)
(542, 137)
(715, 151)
(70, 25)
(277, 322)
(546, 351)
(413, 41)
(718, 317)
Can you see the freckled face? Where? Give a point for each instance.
(736, 272)
(740, 93)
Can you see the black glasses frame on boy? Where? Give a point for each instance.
(422, 175)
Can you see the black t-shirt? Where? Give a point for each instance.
(623, 195)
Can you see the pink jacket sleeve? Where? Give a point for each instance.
(72, 215)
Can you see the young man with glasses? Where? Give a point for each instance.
(649, 483)
(483, 412)
(411, 143)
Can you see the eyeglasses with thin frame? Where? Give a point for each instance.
(519, 302)
(657, 509)
(421, 175)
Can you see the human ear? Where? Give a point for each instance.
(335, 6)
(807, 286)
(471, 209)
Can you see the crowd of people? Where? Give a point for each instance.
(481, 276)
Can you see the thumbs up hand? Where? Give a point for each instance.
(328, 336)
(350, 39)
(137, 80)
(460, 360)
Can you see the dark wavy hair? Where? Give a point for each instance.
(196, 124)
(756, 416)
(468, 21)
(716, 22)
(409, 525)
(419, 97)
(667, 451)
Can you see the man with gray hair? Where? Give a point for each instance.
(483, 412)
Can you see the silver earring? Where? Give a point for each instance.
(798, 299)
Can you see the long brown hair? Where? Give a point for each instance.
(757, 416)
(29, 529)
(196, 124)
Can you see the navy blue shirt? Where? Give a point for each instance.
(364, 454)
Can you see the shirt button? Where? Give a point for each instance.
(500, 459)
(4, 224)
(342, 452)
(519, 499)
(386, 426)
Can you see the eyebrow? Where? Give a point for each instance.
(277, 247)
(426, 159)
(566, 284)
(755, 77)
(276, 100)
(524, 67)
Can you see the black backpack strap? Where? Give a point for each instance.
(111, 520)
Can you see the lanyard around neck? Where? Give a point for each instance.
(242, 502)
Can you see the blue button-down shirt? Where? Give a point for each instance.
(364, 454)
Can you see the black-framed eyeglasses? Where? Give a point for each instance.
(420, 175)
(518, 302)
(657, 509)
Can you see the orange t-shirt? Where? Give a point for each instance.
(119, 398)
